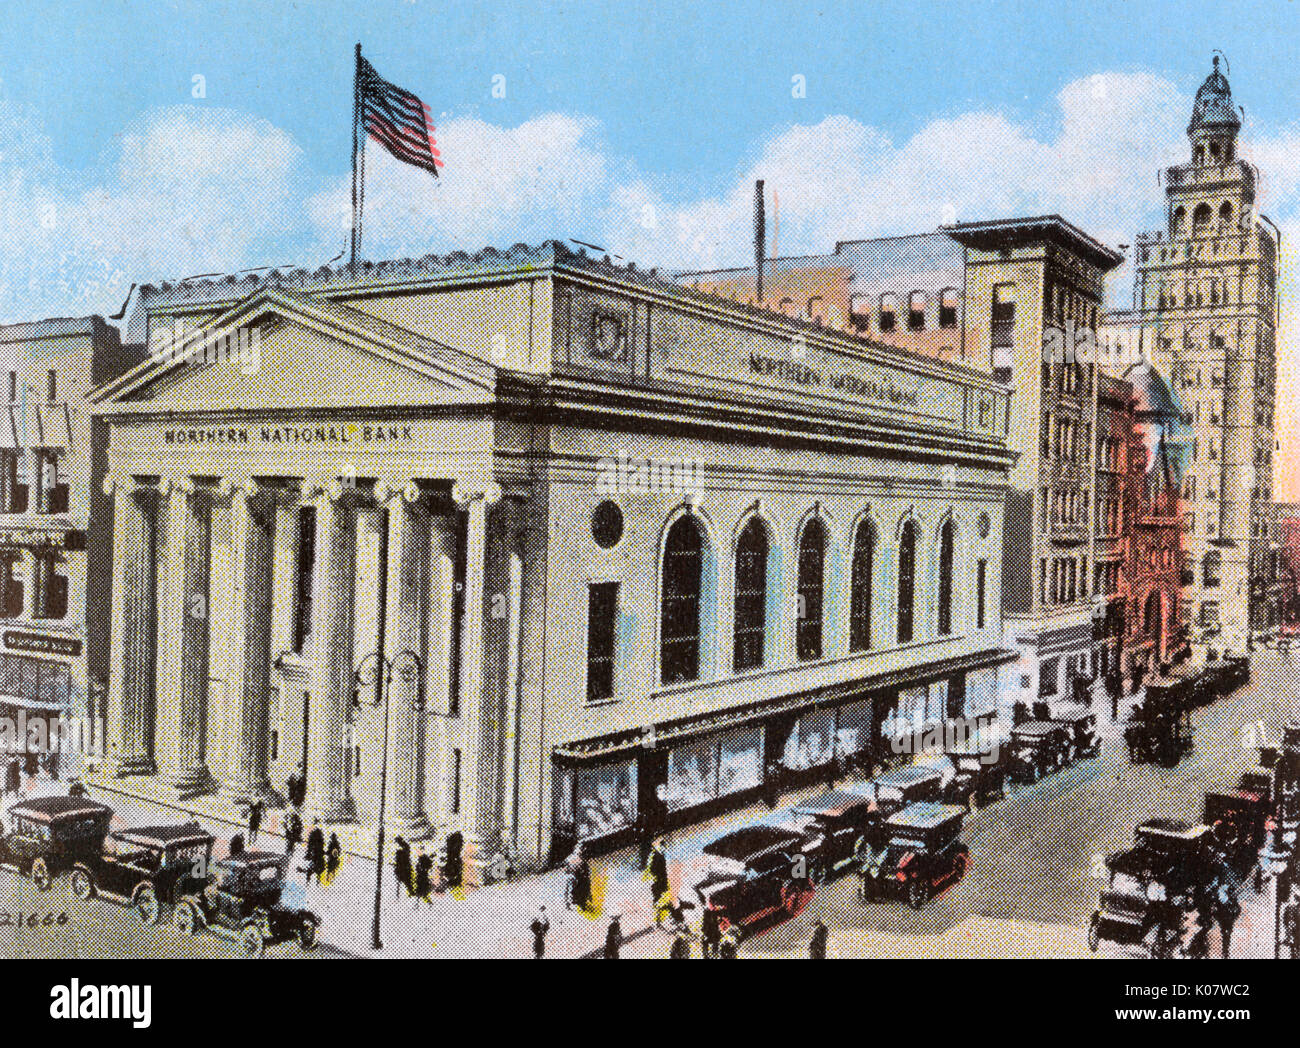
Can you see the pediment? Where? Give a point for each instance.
(279, 351)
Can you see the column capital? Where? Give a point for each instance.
(244, 487)
(387, 489)
(463, 492)
(119, 484)
(324, 489)
(169, 483)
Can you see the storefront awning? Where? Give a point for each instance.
(736, 716)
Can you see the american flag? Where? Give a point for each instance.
(397, 119)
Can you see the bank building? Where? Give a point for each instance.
(634, 552)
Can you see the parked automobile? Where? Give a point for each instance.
(753, 873)
(1038, 748)
(46, 836)
(243, 902)
(1081, 732)
(1160, 727)
(149, 868)
(896, 789)
(837, 827)
(924, 853)
(1237, 818)
(981, 777)
(1152, 887)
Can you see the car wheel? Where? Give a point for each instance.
(41, 875)
(186, 918)
(252, 941)
(960, 864)
(307, 933)
(146, 905)
(1094, 932)
(82, 885)
(916, 893)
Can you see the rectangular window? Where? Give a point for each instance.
(981, 575)
(948, 309)
(52, 383)
(602, 638)
(11, 581)
(302, 621)
(52, 580)
(455, 781)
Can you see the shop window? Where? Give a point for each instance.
(907, 582)
(946, 552)
(860, 587)
(751, 596)
(679, 652)
(811, 742)
(52, 483)
(602, 639)
(306, 567)
(812, 558)
(692, 774)
(598, 801)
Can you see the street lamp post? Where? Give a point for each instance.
(383, 668)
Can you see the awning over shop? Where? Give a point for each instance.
(735, 716)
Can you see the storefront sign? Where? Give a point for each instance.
(41, 538)
(335, 434)
(42, 644)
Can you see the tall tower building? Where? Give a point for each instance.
(1205, 314)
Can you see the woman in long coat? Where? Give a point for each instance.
(423, 877)
(402, 866)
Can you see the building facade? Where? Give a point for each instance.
(1205, 314)
(634, 553)
(54, 552)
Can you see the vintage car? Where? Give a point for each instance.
(149, 868)
(1237, 818)
(837, 827)
(1081, 732)
(46, 836)
(1152, 888)
(981, 777)
(896, 789)
(1038, 748)
(754, 873)
(243, 903)
(1160, 728)
(923, 854)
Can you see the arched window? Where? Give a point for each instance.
(916, 311)
(1225, 213)
(888, 311)
(679, 640)
(907, 582)
(751, 596)
(948, 301)
(1201, 218)
(946, 537)
(1180, 220)
(864, 562)
(1211, 568)
(812, 564)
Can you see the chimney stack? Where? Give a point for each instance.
(760, 239)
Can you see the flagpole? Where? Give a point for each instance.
(357, 175)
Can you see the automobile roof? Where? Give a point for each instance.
(253, 858)
(1172, 829)
(925, 815)
(48, 809)
(832, 802)
(1246, 796)
(1035, 729)
(750, 841)
(166, 836)
(907, 775)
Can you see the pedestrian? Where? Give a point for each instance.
(453, 867)
(579, 883)
(237, 844)
(681, 948)
(292, 831)
(656, 872)
(315, 852)
(613, 939)
(1226, 911)
(296, 787)
(710, 932)
(540, 926)
(729, 948)
(333, 857)
(423, 877)
(817, 945)
(402, 867)
(13, 776)
(255, 812)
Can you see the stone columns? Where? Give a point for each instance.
(131, 672)
(183, 640)
(245, 775)
(475, 499)
(403, 646)
(328, 798)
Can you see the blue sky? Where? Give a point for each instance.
(639, 127)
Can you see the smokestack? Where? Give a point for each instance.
(760, 240)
